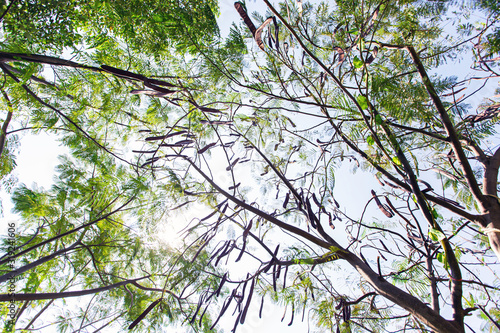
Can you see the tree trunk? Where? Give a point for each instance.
(408, 302)
(492, 227)
(491, 209)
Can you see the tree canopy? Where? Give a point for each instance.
(337, 159)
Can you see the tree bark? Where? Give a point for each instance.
(3, 132)
(408, 302)
(77, 293)
(36, 263)
(492, 211)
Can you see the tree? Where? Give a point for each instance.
(92, 232)
(321, 87)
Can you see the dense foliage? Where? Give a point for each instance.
(258, 150)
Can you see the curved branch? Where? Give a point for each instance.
(77, 293)
(272, 219)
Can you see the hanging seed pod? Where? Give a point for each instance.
(150, 161)
(261, 306)
(200, 303)
(382, 208)
(258, 32)
(209, 110)
(276, 33)
(274, 278)
(201, 317)
(227, 250)
(144, 151)
(216, 122)
(169, 145)
(209, 215)
(245, 235)
(204, 149)
(165, 92)
(330, 223)
(175, 134)
(217, 251)
(312, 217)
(316, 201)
(224, 278)
(336, 203)
(184, 142)
(223, 309)
(247, 305)
(269, 39)
(155, 138)
(293, 314)
(232, 164)
(123, 73)
(383, 245)
(201, 248)
(244, 288)
(284, 277)
(287, 198)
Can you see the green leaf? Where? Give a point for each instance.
(363, 102)
(378, 120)
(436, 235)
(441, 258)
(361, 44)
(470, 301)
(396, 160)
(436, 214)
(157, 18)
(358, 63)
(51, 122)
(370, 140)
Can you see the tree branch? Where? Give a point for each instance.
(65, 233)
(3, 133)
(36, 263)
(272, 219)
(78, 293)
(450, 130)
